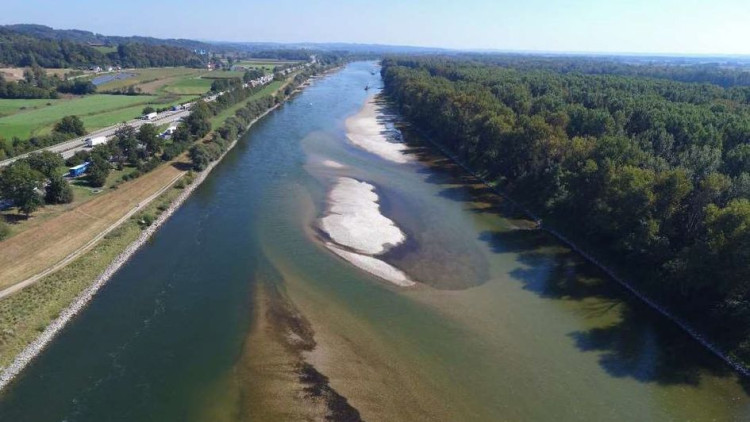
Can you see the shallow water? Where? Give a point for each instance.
(507, 324)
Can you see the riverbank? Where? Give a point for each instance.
(63, 316)
(697, 335)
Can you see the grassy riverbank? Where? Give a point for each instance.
(26, 313)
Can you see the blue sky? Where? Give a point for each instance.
(641, 26)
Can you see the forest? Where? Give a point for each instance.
(647, 172)
(17, 49)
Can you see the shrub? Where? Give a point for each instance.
(4, 230)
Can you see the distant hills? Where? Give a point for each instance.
(91, 38)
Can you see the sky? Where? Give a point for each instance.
(604, 26)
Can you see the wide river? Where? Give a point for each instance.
(236, 310)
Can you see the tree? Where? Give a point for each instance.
(125, 144)
(199, 120)
(149, 138)
(148, 110)
(70, 125)
(98, 171)
(23, 185)
(200, 157)
(58, 191)
(80, 157)
(46, 162)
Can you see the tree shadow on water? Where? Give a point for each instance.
(631, 339)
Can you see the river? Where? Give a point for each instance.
(235, 310)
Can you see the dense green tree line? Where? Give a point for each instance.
(37, 84)
(652, 173)
(23, 50)
(723, 71)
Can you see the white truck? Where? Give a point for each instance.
(150, 116)
(98, 140)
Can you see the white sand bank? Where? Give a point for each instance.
(354, 219)
(365, 131)
(333, 164)
(359, 231)
(374, 266)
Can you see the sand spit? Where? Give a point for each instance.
(373, 266)
(333, 164)
(49, 333)
(359, 231)
(365, 131)
(354, 219)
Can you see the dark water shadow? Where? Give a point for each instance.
(638, 343)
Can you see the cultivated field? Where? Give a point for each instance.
(224, 74)
(40, 247)
(192, 86)
(144, 76)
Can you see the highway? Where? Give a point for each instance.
(68, 148)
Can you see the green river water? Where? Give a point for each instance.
(507, 324)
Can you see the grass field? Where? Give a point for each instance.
(223, 74)
(104, 49)
(8, 107)
(144, 76)
(96, 111)
(192, 86)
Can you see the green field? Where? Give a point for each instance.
(267, 90)
(145, 76)
(192, 86)
(96, 111)
(104, 49)
(223, 74)
(8, 107)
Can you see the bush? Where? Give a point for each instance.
(146, 220)
(4, 230)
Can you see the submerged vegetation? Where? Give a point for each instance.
(651, 172)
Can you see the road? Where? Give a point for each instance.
(68, 148)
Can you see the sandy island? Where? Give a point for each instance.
(359, 231)
(365, 131)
